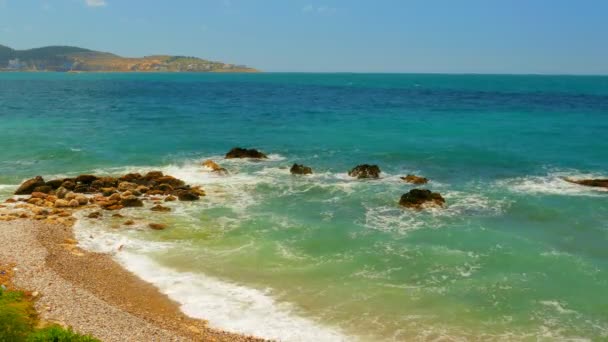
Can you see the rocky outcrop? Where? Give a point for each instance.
(298, 169)
(210, 164)
(239, 152)
(597, 183)
(365, 171)
(417, 198)
(413, 179)
(29, 185)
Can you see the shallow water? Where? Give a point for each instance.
(517, 254)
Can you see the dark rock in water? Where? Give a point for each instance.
(187, 195)
(85, 179)
(130, 177)
(45, 189)
(174, 182)
(415, 198)
(298, 169)
(164, 188)
(157, 226)
(131, 201)
(415, 179)
(29, 185)
(365, 171)
(170, 198)
(160, 208)
(82, 189)
(152, 175)
(597, 183)
(94, 215)
(68, 184)
(55, 183)
(238, 152)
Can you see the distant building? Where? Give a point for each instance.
(15, 64)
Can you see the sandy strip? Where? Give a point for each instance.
(92, 293)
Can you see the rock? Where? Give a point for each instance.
(131, 201)
(94, 215)
(142, 189)
(170, 180)
(130, 177)
(61, 192)
(197, 190)
(35, 201)
(187, 195)
(70, 196)
(85, 179)
(152, 175)
(74, 203)
(210, 164)
(10, 200)
(44, 189)
(155, 193)
(104, 182)
(108, 191)
(117, 215)
(55, 183)
(129, 223)
(238, 152)
(115, 197)
(365, 171)
(164, 188)
(298, 169)
(29, 185)
(170, 198)
(415, 179)
(82, 189)
(82, 200)
(68, 184)
(61, 203)
(416, 198)
(114, 207)
(126, 186)
(160, 208)
(597, 183)
(157, 226)
(36, 194)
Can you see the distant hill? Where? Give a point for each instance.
(75, 59)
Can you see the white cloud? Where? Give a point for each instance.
(96, 3)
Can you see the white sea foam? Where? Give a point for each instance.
(230, 306)
(554, 184)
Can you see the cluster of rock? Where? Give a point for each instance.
(239, 152)
(365, 171)
(56, 199)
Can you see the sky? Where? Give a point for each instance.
(417, 36)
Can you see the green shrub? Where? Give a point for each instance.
(58, 334)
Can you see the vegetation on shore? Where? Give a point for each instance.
(19, 321)
(75, 59)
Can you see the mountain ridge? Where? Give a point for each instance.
(76, 59)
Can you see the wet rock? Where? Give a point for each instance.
(61, 203)
(85, 179)
(170, 198)
(365, 171)
(129, 223)
(10, 200)
(152, 175)
(415, 179)
(68, 184)
(126, 186)
(61, 192)
(70, 196)
(238, 152)
(165, 188)
(44, 189)
(108, 191)
(416, 198)
(130, 177)
(155, 192)
(104, 182)
(55, 183)
(114, 207)
(170, 180)
(39, 195)
(29, 185)
(117, 215)
(210, 164)
(187, 195)
(83, 189)
(36, 201)
(197, 190)
(157, 226)
(131, 201)
(115, 197)
(82, 200)
(298, 169)
(94, 215)
(73, 203)
(597, 183)
(160, 208)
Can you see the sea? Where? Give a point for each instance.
(516, 253)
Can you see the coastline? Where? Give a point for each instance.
(91, 292)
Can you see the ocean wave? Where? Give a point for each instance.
(230, 306)
(553, 184)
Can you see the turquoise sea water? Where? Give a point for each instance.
(516, 254)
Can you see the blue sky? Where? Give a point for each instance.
(463, 36)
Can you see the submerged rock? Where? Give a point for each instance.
(29, 185)
(187, 195)
(94, 215)
(298, 169)
(239, 152)
(157, 226)
(365, 171)
(131, 201)
(415, 179)
(160, 208)
(597, 183)
(416, 198)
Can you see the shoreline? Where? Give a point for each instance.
(91, 292)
